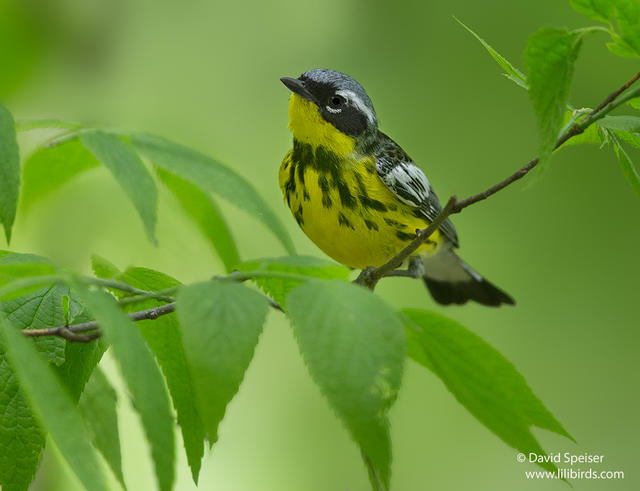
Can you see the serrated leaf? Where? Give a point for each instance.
(40, 310)
(53, 406)
(51, 167)
(127, 168)
(279, 288)
(512, 72)
(220, 324)
(481, 379)
(206, 214)
(142, 376)
(164, 337)
(98, 407)
(599, 10)
(21, 438)
(622, 123)
(628, 169)
(9, 171)
(213, 177)
(628, 18)
(354, 347)
(550, 57)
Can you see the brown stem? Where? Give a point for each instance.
(74, 332)
(71, 333)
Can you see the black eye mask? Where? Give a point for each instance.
(349, 120)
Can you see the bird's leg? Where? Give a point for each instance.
(415, 269)
(366, 278)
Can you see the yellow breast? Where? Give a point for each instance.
(346, 210)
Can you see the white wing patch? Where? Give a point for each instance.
(405, 180)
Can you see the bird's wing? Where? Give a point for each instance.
(409, 184)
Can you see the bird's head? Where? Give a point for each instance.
(329, 108)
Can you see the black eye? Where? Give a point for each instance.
(337, 100)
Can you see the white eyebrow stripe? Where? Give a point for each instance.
(350, 95)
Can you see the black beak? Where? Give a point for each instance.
(297, 86)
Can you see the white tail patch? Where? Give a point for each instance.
(445, 265)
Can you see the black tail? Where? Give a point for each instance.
(451, 280)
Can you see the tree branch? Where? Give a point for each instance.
(370, 276)
(74, 332)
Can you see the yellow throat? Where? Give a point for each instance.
(308, 126)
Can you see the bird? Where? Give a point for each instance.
(360, 197)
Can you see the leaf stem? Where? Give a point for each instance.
(162, 295)
(248, 275)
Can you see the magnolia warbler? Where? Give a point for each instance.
(358, 195)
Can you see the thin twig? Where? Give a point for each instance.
(74, 331)
(370, 276)
(71, 332)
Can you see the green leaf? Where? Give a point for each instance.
(213, 177)
(15, 266)
(9, 171)
(42, 309)
(142, 376)
(623, 123)
(220, 324)
(103, 268)
(53, 406)
(511, 72)
(51, 167)
(22, 275)
(205, 213)
(21, 438)
(80, 361)
(635, 103)
(279, 288)
(481, 379)
(164, 337)
(516, 81)
(620, 47)
(630, 138)
(628, 17)
(98, 407)
(599, 10)
(550, 57)
(354, 347)
(592, 135)
(628, 169)
(129, 171)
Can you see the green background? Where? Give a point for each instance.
(206, 74)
